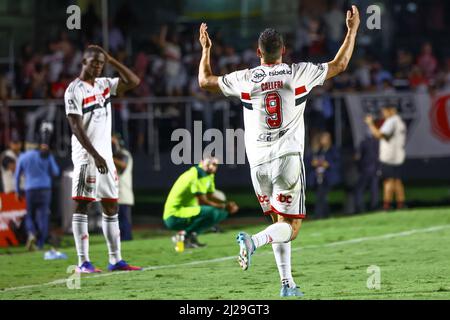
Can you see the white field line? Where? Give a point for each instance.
(326, 245)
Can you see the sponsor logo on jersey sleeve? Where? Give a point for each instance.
(72, 105)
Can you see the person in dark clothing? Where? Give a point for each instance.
(324, 166)
(369, 173)
(350, 176)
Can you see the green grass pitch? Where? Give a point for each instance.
(330, 260)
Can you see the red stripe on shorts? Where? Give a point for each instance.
(83, 198)
(109, 200)
(287, 215)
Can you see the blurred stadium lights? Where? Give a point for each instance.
(105, 28)
(411, 7)
(105, 33)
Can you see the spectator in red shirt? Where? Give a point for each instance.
(426, 61)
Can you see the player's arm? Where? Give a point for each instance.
(229, 206)
(212, 197)
(76, 124)
(17, 175)
(374, 130)
(204, 200)
(342, 58)
(128, 79)
(206, 79)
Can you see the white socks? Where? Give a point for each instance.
(111, 231)
(282, 252)
(81, 235)
(275, 233)
(279, 234)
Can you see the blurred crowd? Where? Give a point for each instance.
(167, 63)
(167, 60)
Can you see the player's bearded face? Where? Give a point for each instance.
(212, 168)
(210, 165)
(94, 64)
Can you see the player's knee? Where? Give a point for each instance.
(110, 209)
(295, 225)
(295, 229)
(274, 217)
(81, 207)
(294, 236)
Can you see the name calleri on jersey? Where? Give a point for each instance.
(274, 99)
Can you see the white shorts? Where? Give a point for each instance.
(90, 185)
(280, 186)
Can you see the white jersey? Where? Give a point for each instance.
(392, 149)
(93, 103)
(8, 179)
(126, 195)
(274, 99)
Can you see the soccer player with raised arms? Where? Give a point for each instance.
(273, 97)
(88, 109)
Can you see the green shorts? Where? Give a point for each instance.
(206, 218)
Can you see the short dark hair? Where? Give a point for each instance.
(270, 43)
(92, 50)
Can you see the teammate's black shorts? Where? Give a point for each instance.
(389, 171)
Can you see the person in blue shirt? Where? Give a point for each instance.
(38, 167)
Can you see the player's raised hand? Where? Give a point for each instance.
(353, 20)
(205, 41)
(368, 119)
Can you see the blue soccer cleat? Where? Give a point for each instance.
(122, 266)
(286, 291)
(246, 249)
(87, 267)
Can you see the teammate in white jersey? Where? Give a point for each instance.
(392, 136)
(273, 96)
(88, 109)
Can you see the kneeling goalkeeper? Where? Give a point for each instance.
(191, 207)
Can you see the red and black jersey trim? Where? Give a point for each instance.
(96, 106)
(246, 104)
(299, 91)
